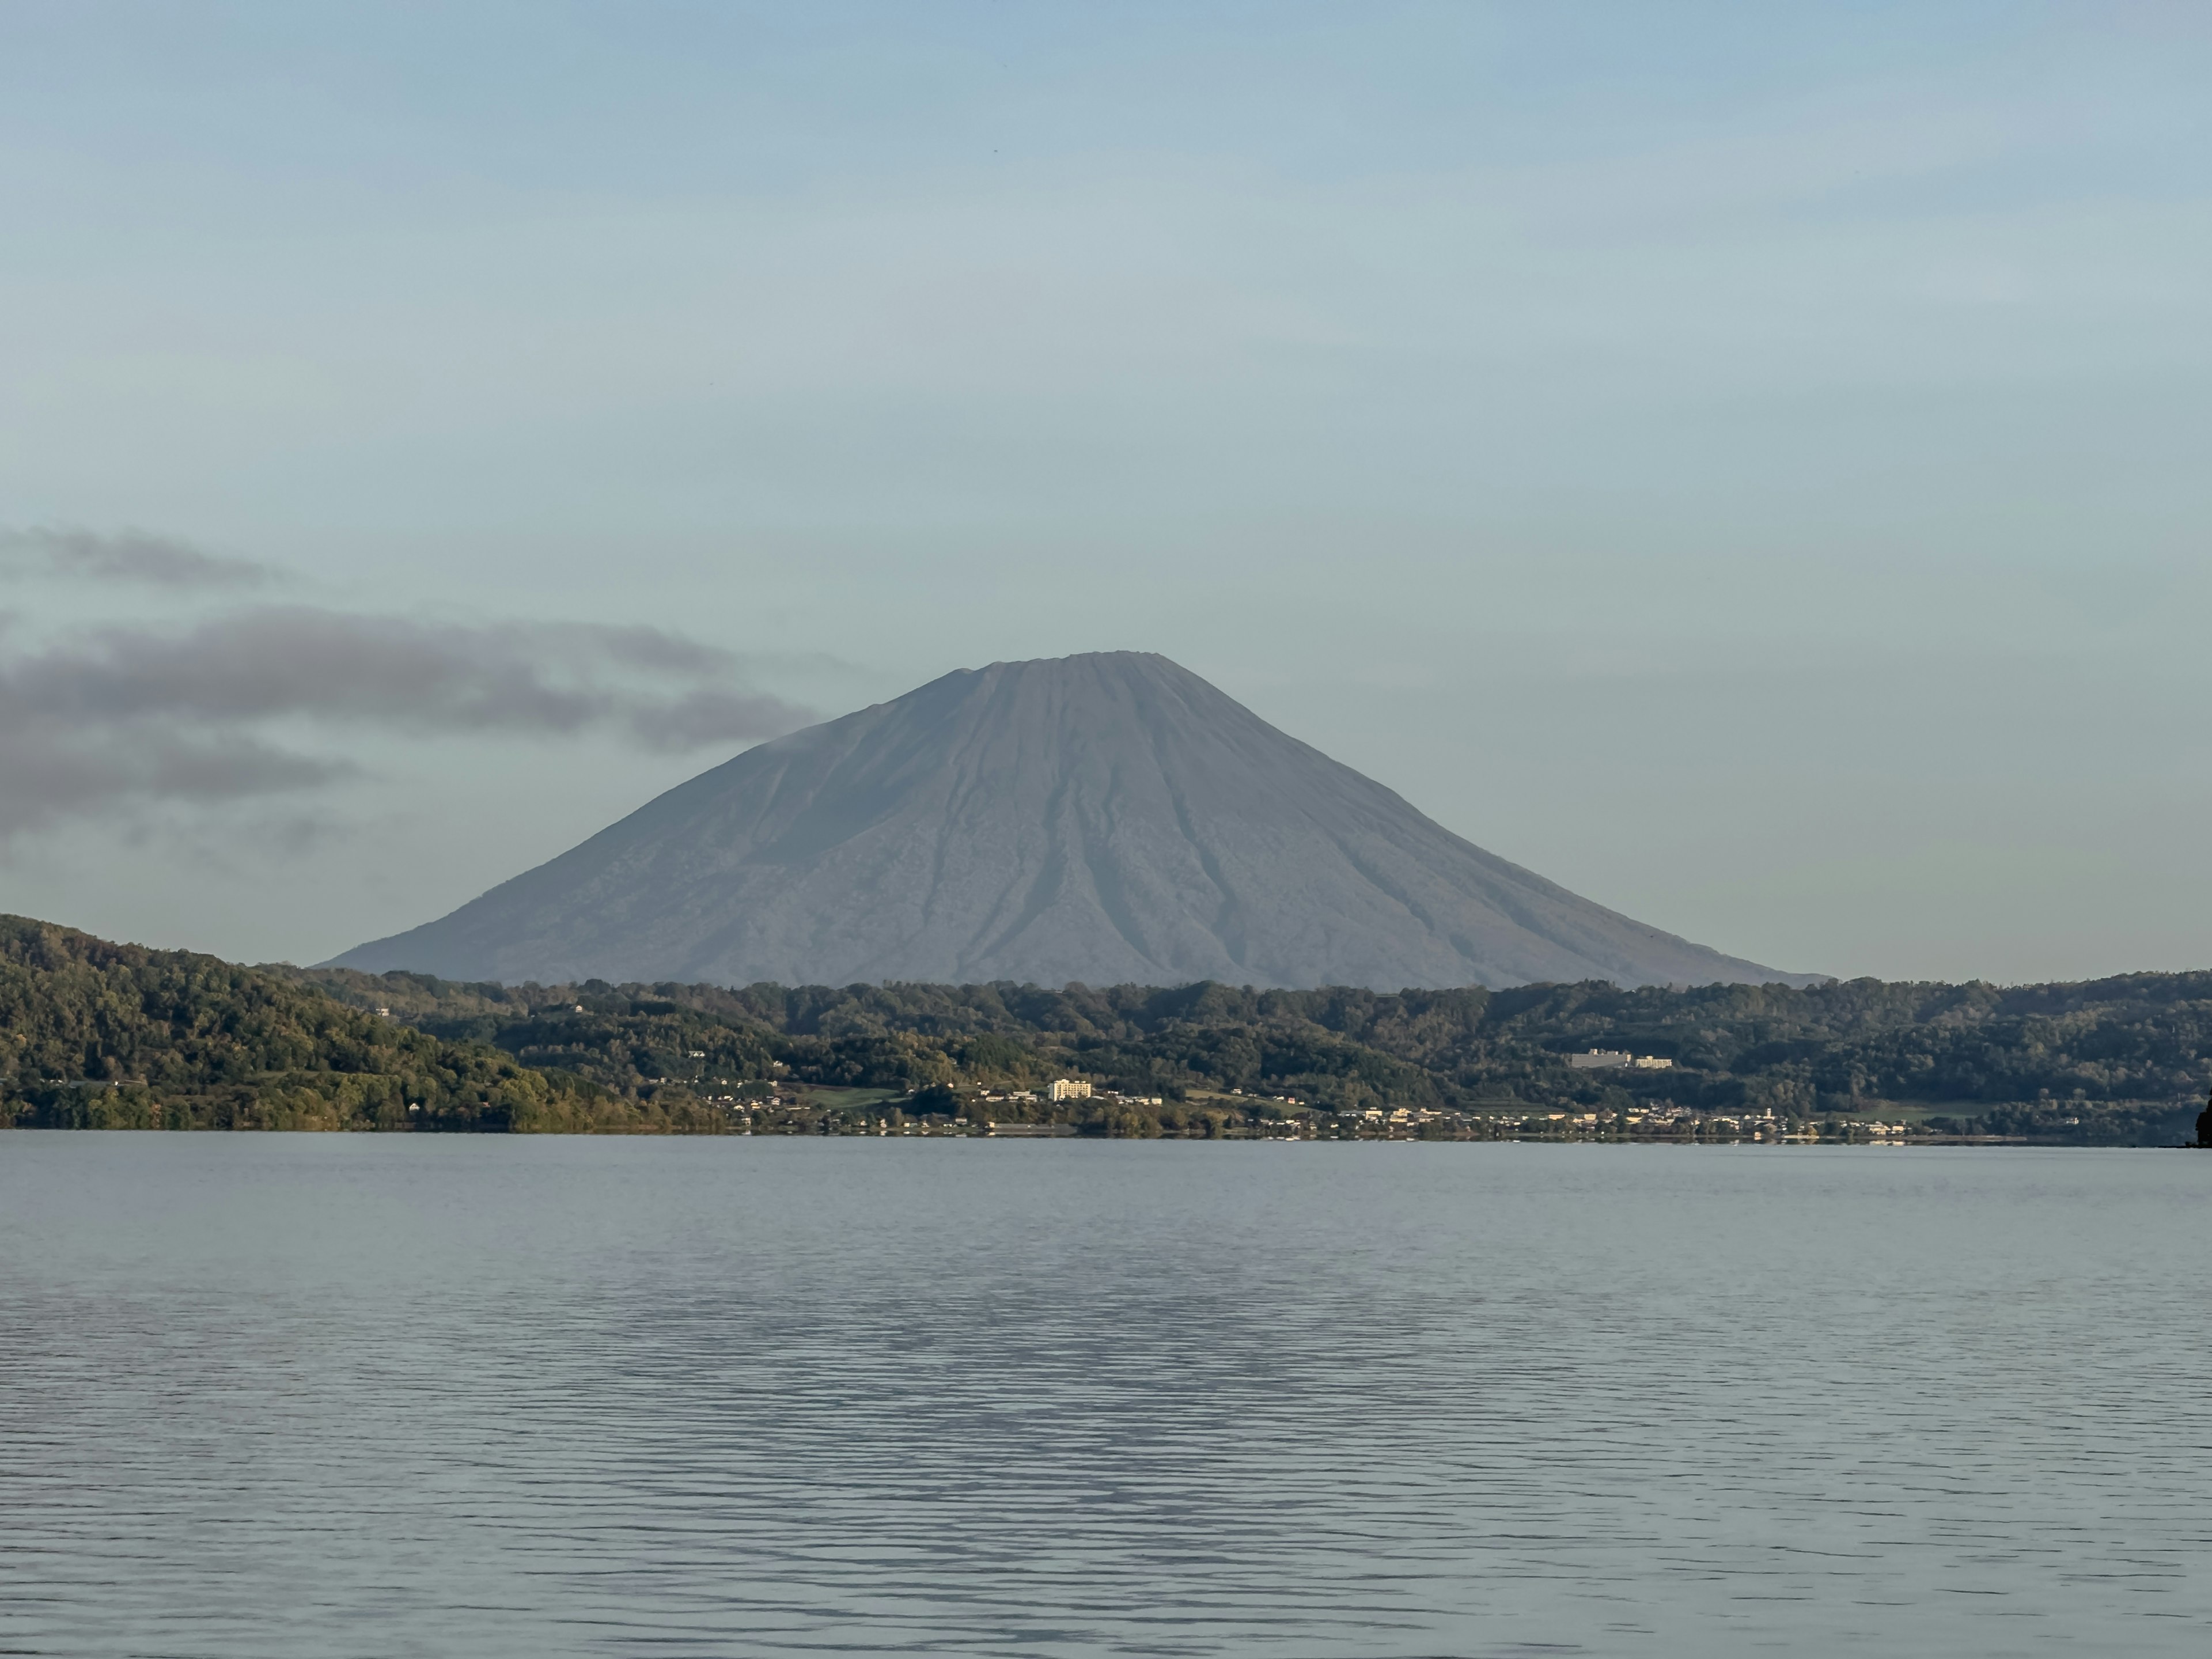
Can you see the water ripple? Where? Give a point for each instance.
(308, 1395)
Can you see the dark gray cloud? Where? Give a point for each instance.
(129, 555)
(133, 716)
(51, 773)
(275, 661)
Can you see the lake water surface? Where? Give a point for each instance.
(304, 1395)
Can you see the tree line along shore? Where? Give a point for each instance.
(104, 1035)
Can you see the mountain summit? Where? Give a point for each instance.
(1108, 818)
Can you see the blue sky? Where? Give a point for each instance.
(1742, 462)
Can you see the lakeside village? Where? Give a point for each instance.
(1075, 1106)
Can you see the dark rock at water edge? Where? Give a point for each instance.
(1108, 818)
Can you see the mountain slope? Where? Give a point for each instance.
(101, 1035)
(1107, 818)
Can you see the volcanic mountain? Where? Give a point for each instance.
(1110, 819)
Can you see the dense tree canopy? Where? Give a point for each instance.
(2122, 1059)
(100, 1034)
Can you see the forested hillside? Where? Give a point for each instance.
(109, 1035)
(101, 1035)
(2127, 1058)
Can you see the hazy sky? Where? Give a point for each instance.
(1747, 463)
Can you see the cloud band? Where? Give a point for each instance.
(136, 715)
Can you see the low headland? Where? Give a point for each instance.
(104, 1035)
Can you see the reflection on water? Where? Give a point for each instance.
(306, 1396)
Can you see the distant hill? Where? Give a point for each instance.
(1108, 818)
(101, 1035)
(2109, 1061)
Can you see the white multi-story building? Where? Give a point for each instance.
(1604, 1059)
(1600, 1058)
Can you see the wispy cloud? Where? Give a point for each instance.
(129, 555)
(134, 716)
(49, 774)
(274, 661)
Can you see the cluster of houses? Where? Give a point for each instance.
(1401, 1117)
(1656, 1118)
(1069, 1088)
(1754, 1126)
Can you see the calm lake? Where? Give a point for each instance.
(306, 1396)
